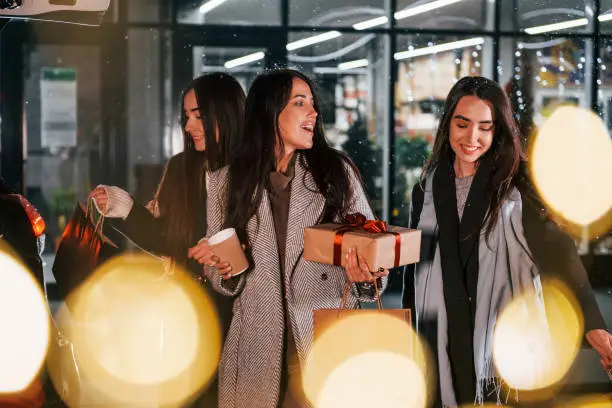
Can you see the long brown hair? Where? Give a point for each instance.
(181, 195)
(506, 149)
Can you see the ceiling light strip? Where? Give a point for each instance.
(423, 8)
(209, 5)
(360, 63)
(557, 26)
(247, 59)
(374, 22)
(305, 42)
(418, 52)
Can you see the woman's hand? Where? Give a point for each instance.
(357, 268)
(100, 196)
(601, 341)
(203, 253)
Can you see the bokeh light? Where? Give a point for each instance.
(370, 373)
(377, 354)
(24, 321)
(535, 343)
(571, 159)
(143, 337)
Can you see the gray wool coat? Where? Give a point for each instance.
(252, 358)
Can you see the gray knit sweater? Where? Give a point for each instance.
(462, 187)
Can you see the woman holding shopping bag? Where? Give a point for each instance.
(212, 114)
(285, 178)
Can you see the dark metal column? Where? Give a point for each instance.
(496, 40)
(596, 41)
(12, 65)
(389, 158)
(114, 149)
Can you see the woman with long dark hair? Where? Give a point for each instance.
(285, 177)
(212, 112)
(486, 240)
(211, 120)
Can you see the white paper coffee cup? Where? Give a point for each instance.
(226, 245)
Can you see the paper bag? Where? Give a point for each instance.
(83, 247)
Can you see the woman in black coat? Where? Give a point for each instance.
(212, 114)
(486, 240)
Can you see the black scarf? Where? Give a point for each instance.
(458, 242)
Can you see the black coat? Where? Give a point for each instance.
(146, 231)
(553, 250)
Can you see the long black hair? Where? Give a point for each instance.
(255, 159)
(182, 194)
(509, 167)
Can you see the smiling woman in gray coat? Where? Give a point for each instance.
(284, 179)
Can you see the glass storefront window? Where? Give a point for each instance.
(352, 80)
(147, 11)
(244, 63)
(543, 16)
(229, 12)
(360, 14)
(427, 68)
(542, 74)
(63, 130)
(605, 16)
(445, 14)
(147, 120)
(603, 245)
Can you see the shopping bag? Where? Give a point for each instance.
(84, 245)
(355, 338)
(323, 318)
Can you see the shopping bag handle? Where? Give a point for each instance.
(347, 289)
(90, 211)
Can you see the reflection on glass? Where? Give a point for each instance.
(445, 14)
(145, 112)
(603, 245)
(427, 68)
(360, 14)
(352, 82)
(63, 130)
(605, 16)
(542, 74)
(147, 11)
(243, 63)
(229, 12)
(544, 16)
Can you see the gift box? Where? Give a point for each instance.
(382, 245)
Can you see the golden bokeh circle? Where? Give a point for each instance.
(536, 339)
(367, 346)
(24, 320)
(142, 336)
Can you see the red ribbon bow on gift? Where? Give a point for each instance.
(359, 222)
